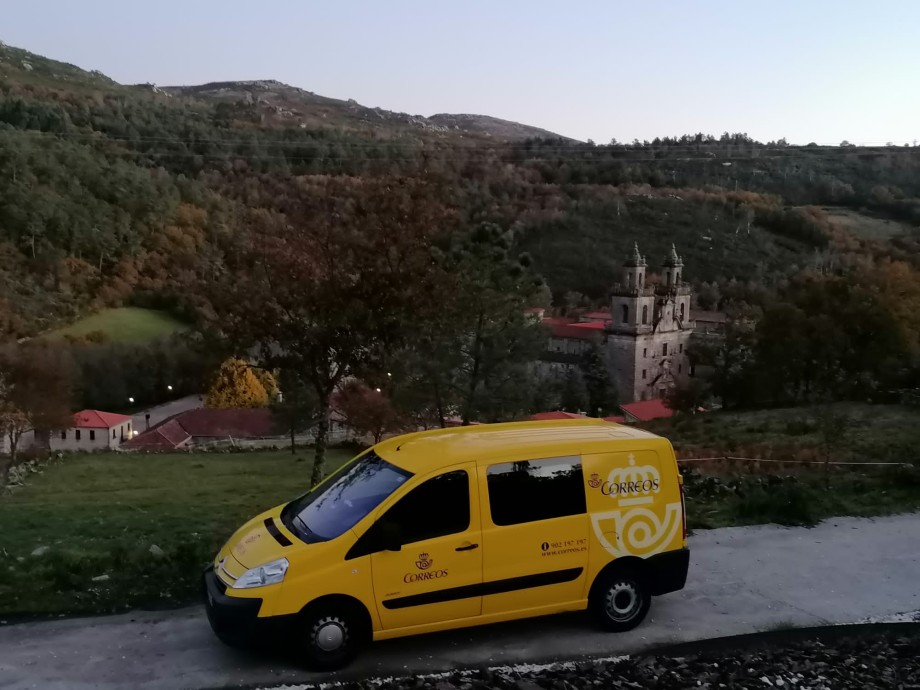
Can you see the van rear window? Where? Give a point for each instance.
(533, 490)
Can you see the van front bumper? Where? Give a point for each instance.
(235, 620)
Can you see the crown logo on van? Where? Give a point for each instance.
(636, 483)
(595, 480)
(423, 562)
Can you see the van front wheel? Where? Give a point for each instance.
(332, 637)
(620, 601)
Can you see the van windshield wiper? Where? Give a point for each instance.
(306, 533)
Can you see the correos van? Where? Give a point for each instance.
(458, 527)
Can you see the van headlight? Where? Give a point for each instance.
(260, 576)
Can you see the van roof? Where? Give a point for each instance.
(426, 450)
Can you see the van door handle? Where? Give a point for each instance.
(467, 547)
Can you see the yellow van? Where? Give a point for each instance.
(458, 527)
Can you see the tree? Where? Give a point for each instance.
(471, 359)
(493, 290)
(366, 410)
(687, 397)
(328, 281)
(602, 395)
(235, 385)
(574, 394)
(35, 393)
(294, 408)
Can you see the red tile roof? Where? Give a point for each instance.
(593, 325)
(575, 331)
(645, 410)
(242, 423)
(597, 316)
(616, 419)
(558, 414)
(96, 419)
(206, 423)
(165, 436)
(709, 316)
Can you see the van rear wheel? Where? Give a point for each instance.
(332, 637)
(620, 600)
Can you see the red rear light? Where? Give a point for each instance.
(683, 507)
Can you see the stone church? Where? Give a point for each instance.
(644, 335)
(649, 330)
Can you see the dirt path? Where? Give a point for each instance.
(742, 579)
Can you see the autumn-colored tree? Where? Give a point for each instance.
(267, 379)
(330, 279)
(35, 393)
(366, 410)
(235, 385)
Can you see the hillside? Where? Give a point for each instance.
(114, 195)
(278, 104)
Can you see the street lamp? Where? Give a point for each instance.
(131, 400)
(169, 388)
(377, 389)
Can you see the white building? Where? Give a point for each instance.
(93, 430)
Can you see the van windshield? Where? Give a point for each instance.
(344, 500)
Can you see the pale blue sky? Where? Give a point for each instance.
(809, 70)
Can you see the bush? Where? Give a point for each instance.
(783, 504)
(800, 427)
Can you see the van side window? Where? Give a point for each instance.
(536, 490)
(435, 508)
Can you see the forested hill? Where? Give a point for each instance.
(113, 194)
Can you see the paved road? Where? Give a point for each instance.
(165, 411)
(741, 580)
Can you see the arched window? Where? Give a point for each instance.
(682, 311)
(625, 314)
(644, 314)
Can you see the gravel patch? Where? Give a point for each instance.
(907, 617)
(881, 662)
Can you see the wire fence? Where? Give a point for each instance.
(231, 442)
(833, 463)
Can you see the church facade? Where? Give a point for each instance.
(644, 335)
(649, 330)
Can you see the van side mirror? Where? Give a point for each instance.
(389, 537)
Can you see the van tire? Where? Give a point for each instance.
(331, 636)
(620, 600)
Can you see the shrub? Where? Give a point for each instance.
(784, 503)
(799, 427)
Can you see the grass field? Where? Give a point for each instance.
(125, 325)
(799, 498)
(868, 433)
(865, 226)
(743, 493)
(100, 514)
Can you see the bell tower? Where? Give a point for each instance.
(631, 301)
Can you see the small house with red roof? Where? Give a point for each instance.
(93, 430)
(646, 410)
